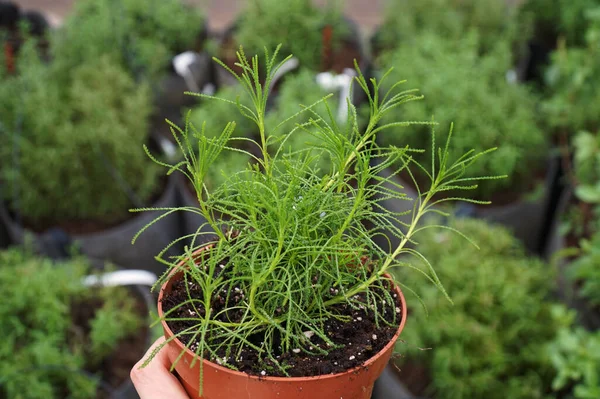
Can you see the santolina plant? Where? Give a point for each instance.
(289, 244)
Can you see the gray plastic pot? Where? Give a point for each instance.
(527, 219)
(113, 244)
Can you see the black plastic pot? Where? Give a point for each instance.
(527, 219)
(113, 244)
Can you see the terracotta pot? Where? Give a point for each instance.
(223, 383)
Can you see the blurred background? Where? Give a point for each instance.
(86, 88)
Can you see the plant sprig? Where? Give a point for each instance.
(291, 239)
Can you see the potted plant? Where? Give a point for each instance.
(491, 341)
(72, 163)
(292, 296)
(63, 338)
(573, 71)
(143, 38)
(405, 20)
(321, 39)
(470, 90)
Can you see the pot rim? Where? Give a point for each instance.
(366, 364)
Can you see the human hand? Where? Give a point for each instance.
(155, 381)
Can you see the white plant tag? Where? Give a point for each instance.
(121, 277)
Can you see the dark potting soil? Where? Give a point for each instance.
(361, 338)
(114, 370)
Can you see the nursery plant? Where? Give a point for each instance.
(584, 270)
(405, 20)
(571, 77)
(58, 335)
(299, 23)
(553, 19)
(575, 355)
(584, 174)
(290, 284)
(470, 90)
(71, 152)
(491, 341)
(141, 36)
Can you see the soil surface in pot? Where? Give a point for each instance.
(114, 370)
(359, 339)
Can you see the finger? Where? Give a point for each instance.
(155, 381)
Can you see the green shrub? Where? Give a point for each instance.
(559, 18)
(297, 23)
(490, 342)
(141, 35)
(586, 167)
(585, 271)
(575, 355)
(49, 349)
(78, 147)
(406, 20)
(571, 78)
(461, 87)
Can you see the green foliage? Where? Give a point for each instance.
(571, 78)
(73, 151)
(290, 238)
(585, 271)
(216, 114)
(559, 18)
(470, 90)
(297, 91)
(490, 342)
(406, 20)
(586, 167)
(47, 351)
(141, 35)
(575, 354)
(299, 23)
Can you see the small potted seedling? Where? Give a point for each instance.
(289, 296)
